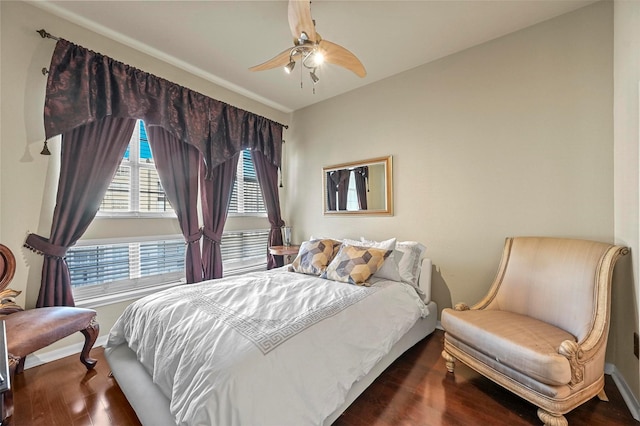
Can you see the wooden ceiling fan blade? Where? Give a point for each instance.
(300, 19)
(279, 60)
(338, 55)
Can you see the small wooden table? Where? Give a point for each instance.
(287, 251)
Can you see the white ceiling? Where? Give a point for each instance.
(220, 40)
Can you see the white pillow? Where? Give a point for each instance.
(312, 237)
(389, 269)
(409, 265)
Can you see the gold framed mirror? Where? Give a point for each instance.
(358, 188)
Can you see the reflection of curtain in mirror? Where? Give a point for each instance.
(361, 176)
(343, 188)
(332, 188)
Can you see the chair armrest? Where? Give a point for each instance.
(579, 353)
(573, 352)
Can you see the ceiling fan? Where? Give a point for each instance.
(309, 48)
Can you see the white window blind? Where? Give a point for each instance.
(107, 263)
(99, 269)
(246, 197)
(136, 186)
(244, 250)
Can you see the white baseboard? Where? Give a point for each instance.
(626, 392)
(43, 358)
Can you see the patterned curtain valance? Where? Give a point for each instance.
(84, 86)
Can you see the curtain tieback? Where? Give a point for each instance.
(214, 237)
(193, 238)
(42, 246)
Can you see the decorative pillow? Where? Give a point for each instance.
(354, 265)
(410, 264)
(314, 256)
(336, 241)
(389, 269)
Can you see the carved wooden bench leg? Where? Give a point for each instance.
(20, 365)
(8, 395)
(90, 336)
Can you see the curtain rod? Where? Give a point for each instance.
(44, 34)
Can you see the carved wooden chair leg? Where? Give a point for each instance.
(552, 419)
(20, 365)
(90, 335)
(450, 361)
(602, 396)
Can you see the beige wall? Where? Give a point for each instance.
(512, 137)
(28, 180)
(624, 318)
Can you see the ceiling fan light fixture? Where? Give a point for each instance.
(314, 77)
(318, 58)
(290, 66)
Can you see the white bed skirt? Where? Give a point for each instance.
(152, 406)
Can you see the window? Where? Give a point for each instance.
(99, 269)
(136, 186)
(243, 251)
(118, 266)
(352, 197)
(246, 197)
(109, 267)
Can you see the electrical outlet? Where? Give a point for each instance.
(636, 345)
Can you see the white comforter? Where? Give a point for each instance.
(275, 348)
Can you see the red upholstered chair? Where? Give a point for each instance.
(33, 329)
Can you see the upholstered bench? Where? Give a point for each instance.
(33, 329)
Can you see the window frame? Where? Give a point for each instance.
(135, 166)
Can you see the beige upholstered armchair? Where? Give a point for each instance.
(541, 331)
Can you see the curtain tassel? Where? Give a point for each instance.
(45, 149)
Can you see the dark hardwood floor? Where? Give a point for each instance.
(415, 390)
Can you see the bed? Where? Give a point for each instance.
(274, 348)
